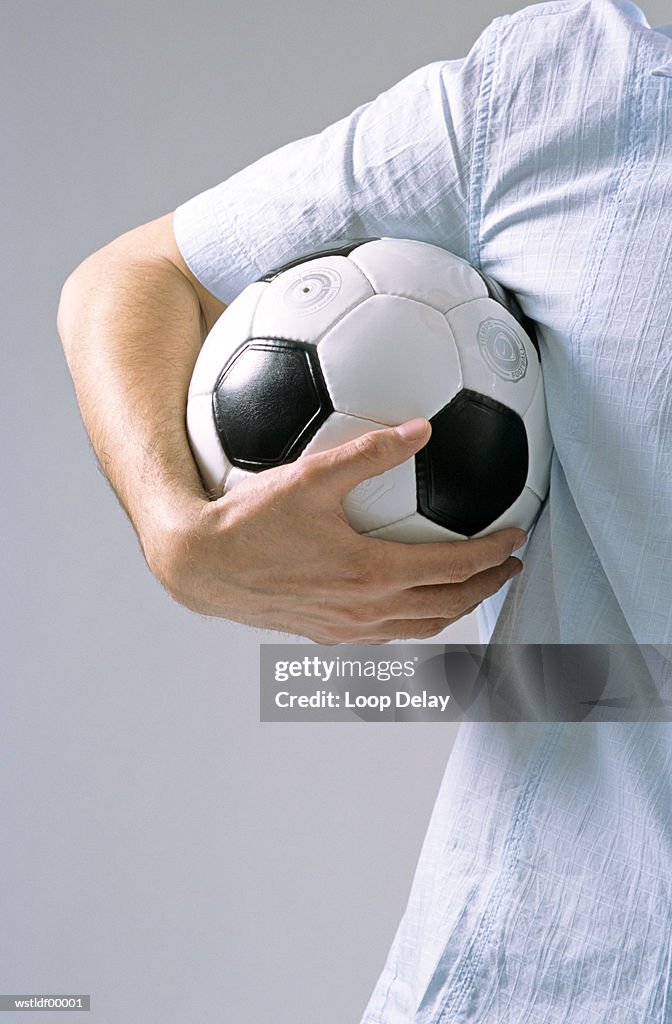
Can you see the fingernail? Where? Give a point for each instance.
(521, 538)
(412, 430)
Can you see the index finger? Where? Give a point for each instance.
(452, 561)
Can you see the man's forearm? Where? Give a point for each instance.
(131, 326)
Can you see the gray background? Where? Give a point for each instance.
(160, 848)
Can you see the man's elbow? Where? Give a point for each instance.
(67, 305)
(75, 297)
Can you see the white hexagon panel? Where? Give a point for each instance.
(380, 499)
(540, 443)
(390, 359)
(415, 529)
(418, 270)
(206, 444)
(302, 303)
(496, 355)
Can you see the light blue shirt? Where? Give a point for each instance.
(544, 888)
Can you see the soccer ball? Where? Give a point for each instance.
(366, 334)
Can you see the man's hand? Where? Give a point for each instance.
(277, 552)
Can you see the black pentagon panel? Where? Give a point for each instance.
(342, 247)
(475, 464)
(268, 402)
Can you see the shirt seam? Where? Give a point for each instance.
(471, 962)
(480, 142)
(546, 10)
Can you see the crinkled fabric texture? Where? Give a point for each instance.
(543, 893)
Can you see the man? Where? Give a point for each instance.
(544, 888)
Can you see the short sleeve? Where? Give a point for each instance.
(397, 166)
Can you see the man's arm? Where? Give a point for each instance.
(132, 324)
(276, 552)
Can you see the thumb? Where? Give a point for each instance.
(373, 453)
